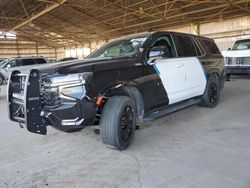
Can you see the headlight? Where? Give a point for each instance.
(69, 87)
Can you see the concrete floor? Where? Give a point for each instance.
(194, 148)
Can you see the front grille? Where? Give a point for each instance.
(246, 61)
(49, 95)
(238, 61)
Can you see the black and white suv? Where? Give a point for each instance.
(19, 63)
(126, 82)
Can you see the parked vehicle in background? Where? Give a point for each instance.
(126, 82)
(68, 59)
(19, 63)
(237, 58)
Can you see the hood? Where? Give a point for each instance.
(86, 65)
(236, 53)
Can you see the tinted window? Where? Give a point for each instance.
(185, 46)
(242, 45)
(13, 63)
(18, 62)
(27, 62)
(198, 48)
(210, 46)
(164, 41)
(40, 61)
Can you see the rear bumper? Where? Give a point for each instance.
(26, 106)
(241, 70)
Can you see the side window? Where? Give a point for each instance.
(165, 44)
(209, 46)
(26, 62)
(12, 63)
(40, 61)
(185, 46)
(198, 48)
(18, 62)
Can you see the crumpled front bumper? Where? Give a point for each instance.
(26, 106)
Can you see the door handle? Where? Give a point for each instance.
(179, 65)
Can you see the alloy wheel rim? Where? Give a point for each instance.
(126, 123)
(212, 93)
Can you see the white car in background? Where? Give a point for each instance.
(19, 63)
(237, 58)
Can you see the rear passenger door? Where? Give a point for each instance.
(195, 78)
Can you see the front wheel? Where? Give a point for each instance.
(211, 96)
(117, 123)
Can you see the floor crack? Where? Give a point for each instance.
(138, 167)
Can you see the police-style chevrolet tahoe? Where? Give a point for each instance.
(123, 84)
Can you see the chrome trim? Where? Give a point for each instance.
(64, 83)
(19, 96)
(72, 122)
(63, 96)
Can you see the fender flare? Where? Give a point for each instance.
(133, 93)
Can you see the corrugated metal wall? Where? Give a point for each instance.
(14, 48)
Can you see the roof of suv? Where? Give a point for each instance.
(146, 34)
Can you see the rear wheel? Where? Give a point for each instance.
(228, 77)
(211, 96)
(117, 123)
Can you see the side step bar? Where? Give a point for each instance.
(170, 109)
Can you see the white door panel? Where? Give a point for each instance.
(183, 78)
(172, 76)
(196, 78)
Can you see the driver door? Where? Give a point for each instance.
(169, 69)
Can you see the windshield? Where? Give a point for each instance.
(242, 45)
(120, 48)
(2, 62)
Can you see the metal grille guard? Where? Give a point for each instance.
(24, 101)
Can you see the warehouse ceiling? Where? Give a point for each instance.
(71, 22)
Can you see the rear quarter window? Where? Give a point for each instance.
(210, 46)
(185, 46)
(40, 61)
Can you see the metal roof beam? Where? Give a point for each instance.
(39, 14)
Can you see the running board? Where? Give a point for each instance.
(170, 109)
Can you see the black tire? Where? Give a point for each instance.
(228, 77)
(211, 96)
(117, 123)
(1, 79)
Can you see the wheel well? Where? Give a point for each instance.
(131, 92)
(219, 77)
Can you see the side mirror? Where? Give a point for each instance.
(229, 49)
(8, 66)
(136, 45)
(159, 51)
